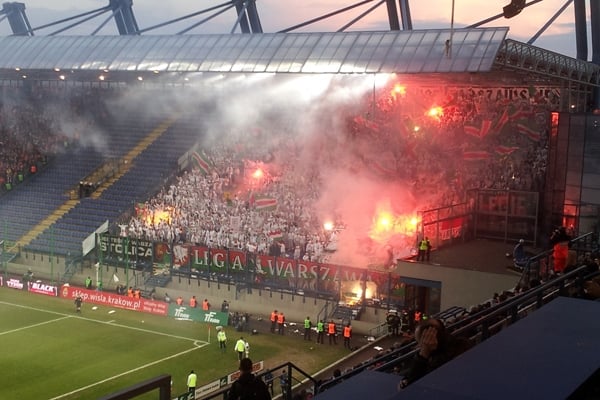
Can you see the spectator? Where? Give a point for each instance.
(247, 386)
(284, 383)
(269, 378)
(591, 288)
(560, 245)
(520, 258)
(436, 347)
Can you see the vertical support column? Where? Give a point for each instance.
(405, 15)
(393, 15)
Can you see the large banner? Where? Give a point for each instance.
(126, 248)
(115, 300)
(187, 313)
(221, 261)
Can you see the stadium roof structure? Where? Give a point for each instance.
(123, 57)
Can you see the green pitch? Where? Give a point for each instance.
(49, 351)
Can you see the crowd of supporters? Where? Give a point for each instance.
(37, 122)
(473, 141)
(437, 142)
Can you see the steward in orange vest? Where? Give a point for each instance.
(347, 336)
(331, 332)
(273, 321)
(280, 323)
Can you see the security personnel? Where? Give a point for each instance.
(273, 321)
(205, 305)
(193, 302)
(423, 246)
(320, 331)
(191, 382)
(240, 347)
(307, 326)
(331, 332)
(280, 323)
(222, 339)
(179, 301)
(347, 335)
(88, 283)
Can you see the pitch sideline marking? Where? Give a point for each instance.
(34, 325)
(198, 344)
(125, 373)
(104, 322)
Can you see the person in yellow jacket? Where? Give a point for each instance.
(222, 339)
(423, 246)
(191, 382)
(240, 348)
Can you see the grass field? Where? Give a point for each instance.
(51, 352)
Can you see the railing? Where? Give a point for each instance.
(292, 382)
(480, 326)
(540, 266)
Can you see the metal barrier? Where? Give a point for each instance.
(306, 381)
(480, 326)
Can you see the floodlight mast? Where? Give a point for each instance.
(17, 19)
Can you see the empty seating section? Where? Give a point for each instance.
(38, 198)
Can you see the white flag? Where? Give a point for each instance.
(115, 278)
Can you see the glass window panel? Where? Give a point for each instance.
(27, 52)
(249, 50)
(69, 58)
(166, 47)
(271, 49)
(322, 48)
(415, 38)
(303, 53)
(289, 53)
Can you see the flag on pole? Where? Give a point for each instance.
(202, 162)
(264, 203)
